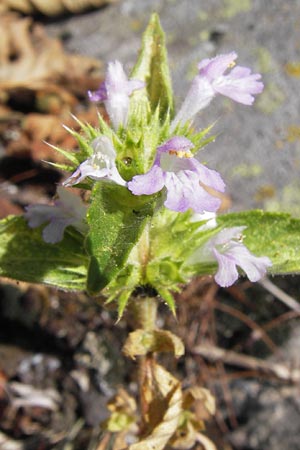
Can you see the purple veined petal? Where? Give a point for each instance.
(148, 183)
(215, 67)
(177, 195)
(255, 267)
(227, 273)
(183, 176)
(240, 90)
(184, 192)
(239, 85)
(209, 177)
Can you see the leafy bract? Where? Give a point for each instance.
(116, 219)
(25, 256)
(152, 68)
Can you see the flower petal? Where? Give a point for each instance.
(101, 165)
(227, 273)
(198, 97)
(115, 92)
(67, 210)
(148, 183)
(184, 192)
(176, 143)
(255, 267)
(209, 177)
(215, 67)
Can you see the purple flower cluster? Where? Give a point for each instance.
(186, 184)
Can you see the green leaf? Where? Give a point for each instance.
(269, 234)
(116, 219)
(25, 256)
(152, 68)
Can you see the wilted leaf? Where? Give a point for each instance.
(39, 130)
(199, 394)
(198, 405)
(206, 443)
(141, 342)
(164, 396)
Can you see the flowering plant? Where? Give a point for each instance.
(151, 220)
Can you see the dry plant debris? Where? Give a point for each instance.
(30, 60)
(51, 7)
(40, 87)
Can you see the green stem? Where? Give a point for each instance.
(145, 312)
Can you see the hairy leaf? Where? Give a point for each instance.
(25, 256)
(116, 219)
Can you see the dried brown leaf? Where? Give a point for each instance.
(199, 394)
(141, 342)
(23, 6)
(31, 60)
(51, 7)
(164, 400)
(205, 442)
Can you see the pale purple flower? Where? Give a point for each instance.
(114, 92)
(239, 84)
(101, 165)
(228, 250)
(67, 210)
(183, 176)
